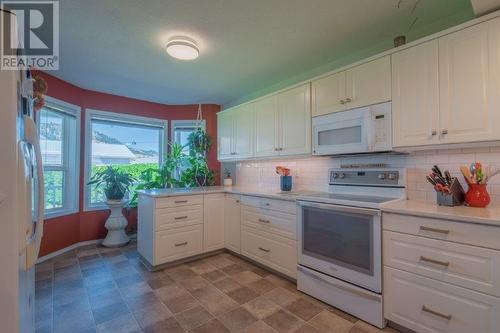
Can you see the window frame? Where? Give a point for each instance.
(71, 182)
(185, 123)
(120, 118)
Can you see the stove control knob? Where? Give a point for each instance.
(342, 175)
(335, 175)
(381, 176)
(392, 176)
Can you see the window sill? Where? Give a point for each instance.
(58, 213)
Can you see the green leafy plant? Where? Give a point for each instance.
(162, 177)
(180, 169)
(198, 173)
(199, 142)
(115, 182)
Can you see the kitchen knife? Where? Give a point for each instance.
(436, 170)
(448, 177)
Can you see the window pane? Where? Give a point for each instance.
(54, 185)
(51, 137)
(132, 149)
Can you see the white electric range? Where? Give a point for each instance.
(339, 233)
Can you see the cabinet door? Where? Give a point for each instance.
(295, 121)
(225, 135)
(266, 129)
(369, 83)
(232, 223)
(415, 95)
(243, 131)
(213, 222)
(469, 73)
(327, 94)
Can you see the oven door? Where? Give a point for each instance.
(341, 241)
(344, 132)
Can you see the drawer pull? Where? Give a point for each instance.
(439, 231)
(180, 201)
(265, 250)
(268, 204)
(264, 221)
(180, 217)
(181, 244)
(434, 261)
(438, 314)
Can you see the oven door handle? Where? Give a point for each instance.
(339, 208)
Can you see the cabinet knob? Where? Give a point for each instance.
(237, 201)
(433, 133)
(342, 101)
(444, 132)
(348, 100)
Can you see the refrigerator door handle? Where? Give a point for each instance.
(31, 136)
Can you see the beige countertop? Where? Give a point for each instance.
(173, 192)
(490, 216)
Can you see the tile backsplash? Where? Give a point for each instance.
(312, 173)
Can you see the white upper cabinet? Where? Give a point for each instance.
(328, 94)
(369, 83)
(275, 125)
(469, 72)
(415, 95)
(235, 133)
(446, 91)
(225, 135)
(362, 85)
(243, 132)
(294, 107)
(266, 129)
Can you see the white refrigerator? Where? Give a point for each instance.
(21, 200)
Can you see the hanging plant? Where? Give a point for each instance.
(199, 142)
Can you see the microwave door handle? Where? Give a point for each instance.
(338, 208)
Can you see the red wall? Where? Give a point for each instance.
(64, 231)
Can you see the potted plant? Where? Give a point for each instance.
(228, 181)
(115, 184)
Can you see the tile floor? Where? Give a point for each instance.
(95, 289)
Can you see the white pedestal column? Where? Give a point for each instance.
(116, 224)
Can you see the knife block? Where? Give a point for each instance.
(455, 198)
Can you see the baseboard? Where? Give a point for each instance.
(67, 249)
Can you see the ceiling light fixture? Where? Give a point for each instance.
(182, 48)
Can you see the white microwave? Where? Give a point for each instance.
(361, 130)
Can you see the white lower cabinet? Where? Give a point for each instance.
(274, 251)
(441, 276)
(268, 233)
(178, 227)
(213, 222)
(232, 221)
(429, 306)
(179, 243)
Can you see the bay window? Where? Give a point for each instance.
(59, 132)
(129, 143)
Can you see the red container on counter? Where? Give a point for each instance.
(477, 196)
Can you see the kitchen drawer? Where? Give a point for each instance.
(463, 265)
(466, 233)
(269, 204)
(274, 251)
(177, 244)
(276, 222)
(168, 218)
(179, 201)
(429, 306)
